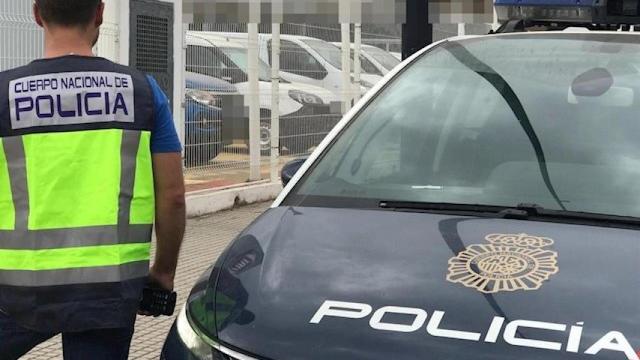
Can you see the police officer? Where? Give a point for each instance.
(89, 157)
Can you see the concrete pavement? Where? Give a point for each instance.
(206, 238)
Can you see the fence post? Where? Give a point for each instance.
(275, 98)
(254, 93)
(356, 59)
(276, 19)
(179, 69)
(124, 34)
(496, 23)
(461, 29)
(346, 65)
(346, 54)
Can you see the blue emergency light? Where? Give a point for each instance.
(601, 12)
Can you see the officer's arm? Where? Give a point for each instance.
(170, 215)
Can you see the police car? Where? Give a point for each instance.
(482, 202)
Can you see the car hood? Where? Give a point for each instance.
(207, 83)
(574, 286)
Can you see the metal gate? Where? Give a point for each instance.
(151, 44)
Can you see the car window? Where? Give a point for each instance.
(479, 122)
(366, 65)
(202, 60)
(384, 58)
(328, 51)
(211, 61)
(240, 58)
(296, 60)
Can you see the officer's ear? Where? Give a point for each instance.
(36, 14)
(99, 14)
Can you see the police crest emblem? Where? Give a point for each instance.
(510, 262)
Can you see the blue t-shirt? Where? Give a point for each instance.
(164, 138)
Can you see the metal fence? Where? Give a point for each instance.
(309, 102)
(217, 93)
(310, 93)
(20, 38)
(108, 42)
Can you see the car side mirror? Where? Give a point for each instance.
(290, 169)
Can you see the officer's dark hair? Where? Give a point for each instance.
(68, 12)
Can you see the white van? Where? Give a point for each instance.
(213, 55)
(308, 60)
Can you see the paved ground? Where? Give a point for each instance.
(206, 238)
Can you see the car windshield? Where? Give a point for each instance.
(240, 57)
(328, 51)
(333, 55)
(548, 119)
(384, 58)
(366, 65)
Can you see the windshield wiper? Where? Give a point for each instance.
(440, 207)
(522, 211)
(537, 212)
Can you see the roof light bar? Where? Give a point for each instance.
(603, 12)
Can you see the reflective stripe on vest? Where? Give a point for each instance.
(79, 207)
(7, 210)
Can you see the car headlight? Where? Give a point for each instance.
(200, 346)
(191, 340)
(204, 97)
(305, 98)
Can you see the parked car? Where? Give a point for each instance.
(204, 136)
(307, 112)
(309, 60)
(484, 204)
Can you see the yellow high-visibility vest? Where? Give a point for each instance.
(76, 190)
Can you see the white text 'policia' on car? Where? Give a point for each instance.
(481, 202)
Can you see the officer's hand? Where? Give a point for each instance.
(161, 279)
